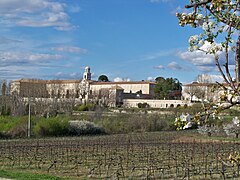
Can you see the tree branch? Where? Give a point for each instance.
(221, 71)
(227, 59)
(198, 4)
(221, 18)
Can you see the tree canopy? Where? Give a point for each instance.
(168, 88)
(103, 78)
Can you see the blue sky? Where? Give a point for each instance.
(123, 39)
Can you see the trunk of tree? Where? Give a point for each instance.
(238, 60)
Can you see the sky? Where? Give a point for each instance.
(123, 39)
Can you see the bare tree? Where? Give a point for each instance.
(4, 98)
(204, 78)
(191, 91)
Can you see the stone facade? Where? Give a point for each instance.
(200, 92)
(155, 103)
(85, 90)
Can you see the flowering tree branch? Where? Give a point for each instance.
(220, 22)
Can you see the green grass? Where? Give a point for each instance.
(27, 175)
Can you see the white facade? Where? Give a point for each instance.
(199, 92)
(154, 103)
(129, 87)
(84, 90)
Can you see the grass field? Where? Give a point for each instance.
(19, 175)
(159, 155)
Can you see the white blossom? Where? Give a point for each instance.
(199, 17)
(193, 39)
(236, 121)
(185, 117)
(205, 26)
(211, 24)
(188, 125)
(215, 48)
(233, 128)
(201, 42)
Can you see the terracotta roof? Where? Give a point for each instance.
(200, 84)
(46, 81)
(123, 82)
(78, 81)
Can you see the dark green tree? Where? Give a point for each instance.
(103, 78)
(169, 88)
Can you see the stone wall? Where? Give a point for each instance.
(153, 103)
(129, 87)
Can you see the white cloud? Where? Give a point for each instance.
(34, 13)
(119, 79)
(150, 78)
(23, 57)
(70, 49)
(75, 75)
(197, 58)
(63, 75)
(217, 78)
(180, 9)
(204, 62)
(13, 72)
(159, 67)
(174, 66)
(157, 55)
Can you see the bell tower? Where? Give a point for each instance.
(87, 74)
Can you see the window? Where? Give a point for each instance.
(58, 94)
(67, 94)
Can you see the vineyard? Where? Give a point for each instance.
(165, 155)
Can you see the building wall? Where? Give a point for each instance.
(155, 103)
(54, 88)
(33, 89)
(83, 90)
(209, 95)
(15, 87)
(146, 88)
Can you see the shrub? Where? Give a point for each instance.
(84, 127)
(233, 128)
(19, 130)
(208, 129)
(143, 105)
(8, 123)
(158, 123)
(82, 107)
(85, 107)
(5, 111)
(3, 135)
(51, 127)
(127, 123)
(115, 124)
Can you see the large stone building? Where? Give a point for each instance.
(200, 92)
(85, 90)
